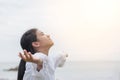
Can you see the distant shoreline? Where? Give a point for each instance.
(6, 79)
(12, 69)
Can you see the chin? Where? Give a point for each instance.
(52, 44)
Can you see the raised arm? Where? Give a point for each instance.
(60, 59)
(28, 57)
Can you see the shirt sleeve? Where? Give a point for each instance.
(31, 68)
(40, 73)
(60, 60)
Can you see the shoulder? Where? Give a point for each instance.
(40, 55)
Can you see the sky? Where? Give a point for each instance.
(88, 30)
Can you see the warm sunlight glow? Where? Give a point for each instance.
(86, 29)
(89, 27)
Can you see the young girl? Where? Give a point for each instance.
(36, 62)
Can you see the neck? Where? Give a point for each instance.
(44, 50)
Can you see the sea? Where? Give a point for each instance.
(73, 70)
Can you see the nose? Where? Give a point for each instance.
(48, 35)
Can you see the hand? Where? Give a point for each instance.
(66, 55)
(28, 57)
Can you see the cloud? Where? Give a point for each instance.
(85, 29)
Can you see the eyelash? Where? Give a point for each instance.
(42, 33)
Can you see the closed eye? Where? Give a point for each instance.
(42, 33)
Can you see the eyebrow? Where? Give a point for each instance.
(41, 32)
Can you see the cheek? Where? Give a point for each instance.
(43, 40)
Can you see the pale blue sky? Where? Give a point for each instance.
(85, 29)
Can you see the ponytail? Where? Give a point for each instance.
(21, 70)
(26, 43)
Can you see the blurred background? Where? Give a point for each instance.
(88, 30)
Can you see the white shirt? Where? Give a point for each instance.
(50, 63)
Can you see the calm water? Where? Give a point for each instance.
(74, 71)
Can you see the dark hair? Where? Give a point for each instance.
(26, 43)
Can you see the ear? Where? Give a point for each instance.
(35, 44)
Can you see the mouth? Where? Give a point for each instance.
(49, 38)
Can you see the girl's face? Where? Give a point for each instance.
(44, 39)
